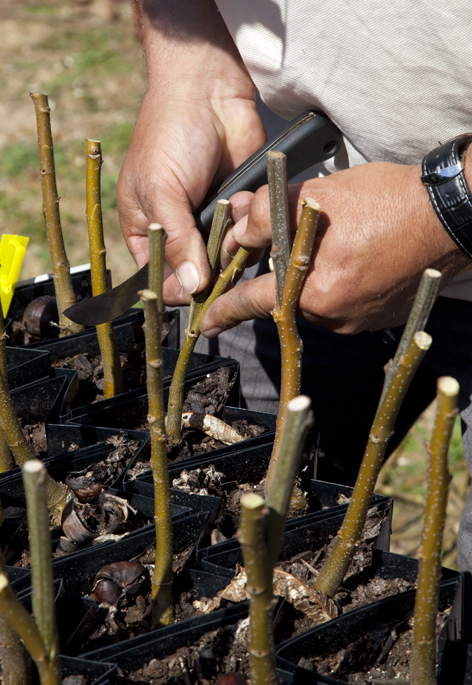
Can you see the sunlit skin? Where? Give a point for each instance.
(198, 121)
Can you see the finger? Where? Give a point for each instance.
(253, 299)
(185, 248)
(254, 229)
(240, 204)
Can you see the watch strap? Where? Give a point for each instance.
(443, 175)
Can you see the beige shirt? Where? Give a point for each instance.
(395, 77)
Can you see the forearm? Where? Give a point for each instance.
(188, 48)
(197, 123)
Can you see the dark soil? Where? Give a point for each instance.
(207, 396)
(361, 585)
(35, 434)
(103, 474)
(380, 656)
(219, 651)
(90, 372)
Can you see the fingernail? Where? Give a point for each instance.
(213, 332)
(239, 229)
(188, 277)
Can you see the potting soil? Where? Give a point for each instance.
(361, 585)
(218, 651)
(210, 481)
(87, 483)
(381, 656)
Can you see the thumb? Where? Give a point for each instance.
(253, 299)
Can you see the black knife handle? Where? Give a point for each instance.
(310, 139)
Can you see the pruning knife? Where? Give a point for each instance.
(309, 139)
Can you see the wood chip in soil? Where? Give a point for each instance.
(361, 585)
(209, 481)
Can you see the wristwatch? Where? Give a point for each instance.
(443, 175)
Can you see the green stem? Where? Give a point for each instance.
(219, 224)
(34, 479)
(423, 648)
(334, 570)
(299, 420)
(24, 625)
(60, 266)
(176, 391)
(106, 337)
(424, 301)
(162, 596)
(259, 589)
(290, 342)
(15, 662)
(279, 217)
(57, 492)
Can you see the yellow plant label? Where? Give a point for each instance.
(12, 251)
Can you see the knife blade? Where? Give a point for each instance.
(309, 139)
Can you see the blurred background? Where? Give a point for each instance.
(85, 55)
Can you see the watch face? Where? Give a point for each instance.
(439, 176)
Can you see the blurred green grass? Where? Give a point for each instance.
(93, 74)
(404, 477)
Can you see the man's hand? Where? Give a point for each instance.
(197, 123)
(377, 233)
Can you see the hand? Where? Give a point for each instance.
(197, 123)
(377, 233)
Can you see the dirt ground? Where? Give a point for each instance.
(92, 70)
(85, 55)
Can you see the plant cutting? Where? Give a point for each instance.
(398, 375)
(371, 645)
(261, 529)
(336, 565)
(162, 596)
(289, 267)
(108, 347)
(60, 265)
(423, 648)
(199, 305)
(40, 636)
